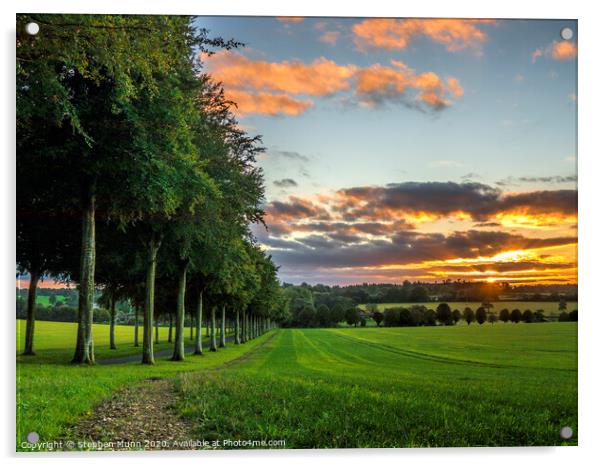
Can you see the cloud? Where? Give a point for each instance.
(286, 87)
(413, 202)
(318, 78)
(377, 84)
(549, 179)
(557, 50)
(330, 37)
(406, 248)
(375, 233)
(397, 34)
(268, 104)
(290, 19)
(285, 183)
(290, 155)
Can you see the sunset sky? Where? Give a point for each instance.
(410, 149)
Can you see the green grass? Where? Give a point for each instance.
(52, 394)
(497, 385)
(502, 384)
(549, 307)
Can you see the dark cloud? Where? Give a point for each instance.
(408, 247)
(478, 200)
(285, 183)
(290, 155)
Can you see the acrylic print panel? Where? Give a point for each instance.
(263, 232)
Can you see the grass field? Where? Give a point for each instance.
(549, 307)
(491, 385)
(53, 394)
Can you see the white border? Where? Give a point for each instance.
(590, 387)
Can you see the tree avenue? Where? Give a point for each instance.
(135, 179)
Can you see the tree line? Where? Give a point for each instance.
(135, 178)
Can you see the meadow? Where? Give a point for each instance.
(490, 385)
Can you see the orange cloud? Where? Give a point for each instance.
(559, 51)
(267, 103)
(396, 34)
(319, 78)
(290, 19)
(330, 37)
(377, 83)
(564, 50)
(259, 86)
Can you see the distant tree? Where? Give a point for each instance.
(527, 316)
(371, 308)
(539, 316)
(378, 317)
(430, 317)
(444, 314)
(456, 315)
(406, 318)
(323, 315)
(306, 316)
(419, 294)
(338, 313)
(468, 315)
(352, 316)
(573, 316)
(362, 321)
(391, 317)
(562, 304)
(481, 315)
(492, 318)
(563, 317)
(52, 299)
(504, 315)
(516, 316)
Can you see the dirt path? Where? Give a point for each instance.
(138, 417)
(142, 416)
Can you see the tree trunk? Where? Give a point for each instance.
(178, 352)
(31, 312)
(112, 327)
(191, 327)
(136, 326)
(207, 325)
(243, 327)
(84, 348)
(169, 339)
(222, 337)
(148, 356)
(156, 330)
(198, 343)
(237, 328)
(213, 346)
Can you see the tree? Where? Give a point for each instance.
(573, 316)
(516, 316)
(352, 316)
(456, 315)
(527, 316)
(444, 314)
(504, 315)
(492, 318)
(481, 315)
(95, 104)
(468, 315)
(378, 317)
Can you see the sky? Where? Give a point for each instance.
(409, 149)
(419, 149)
